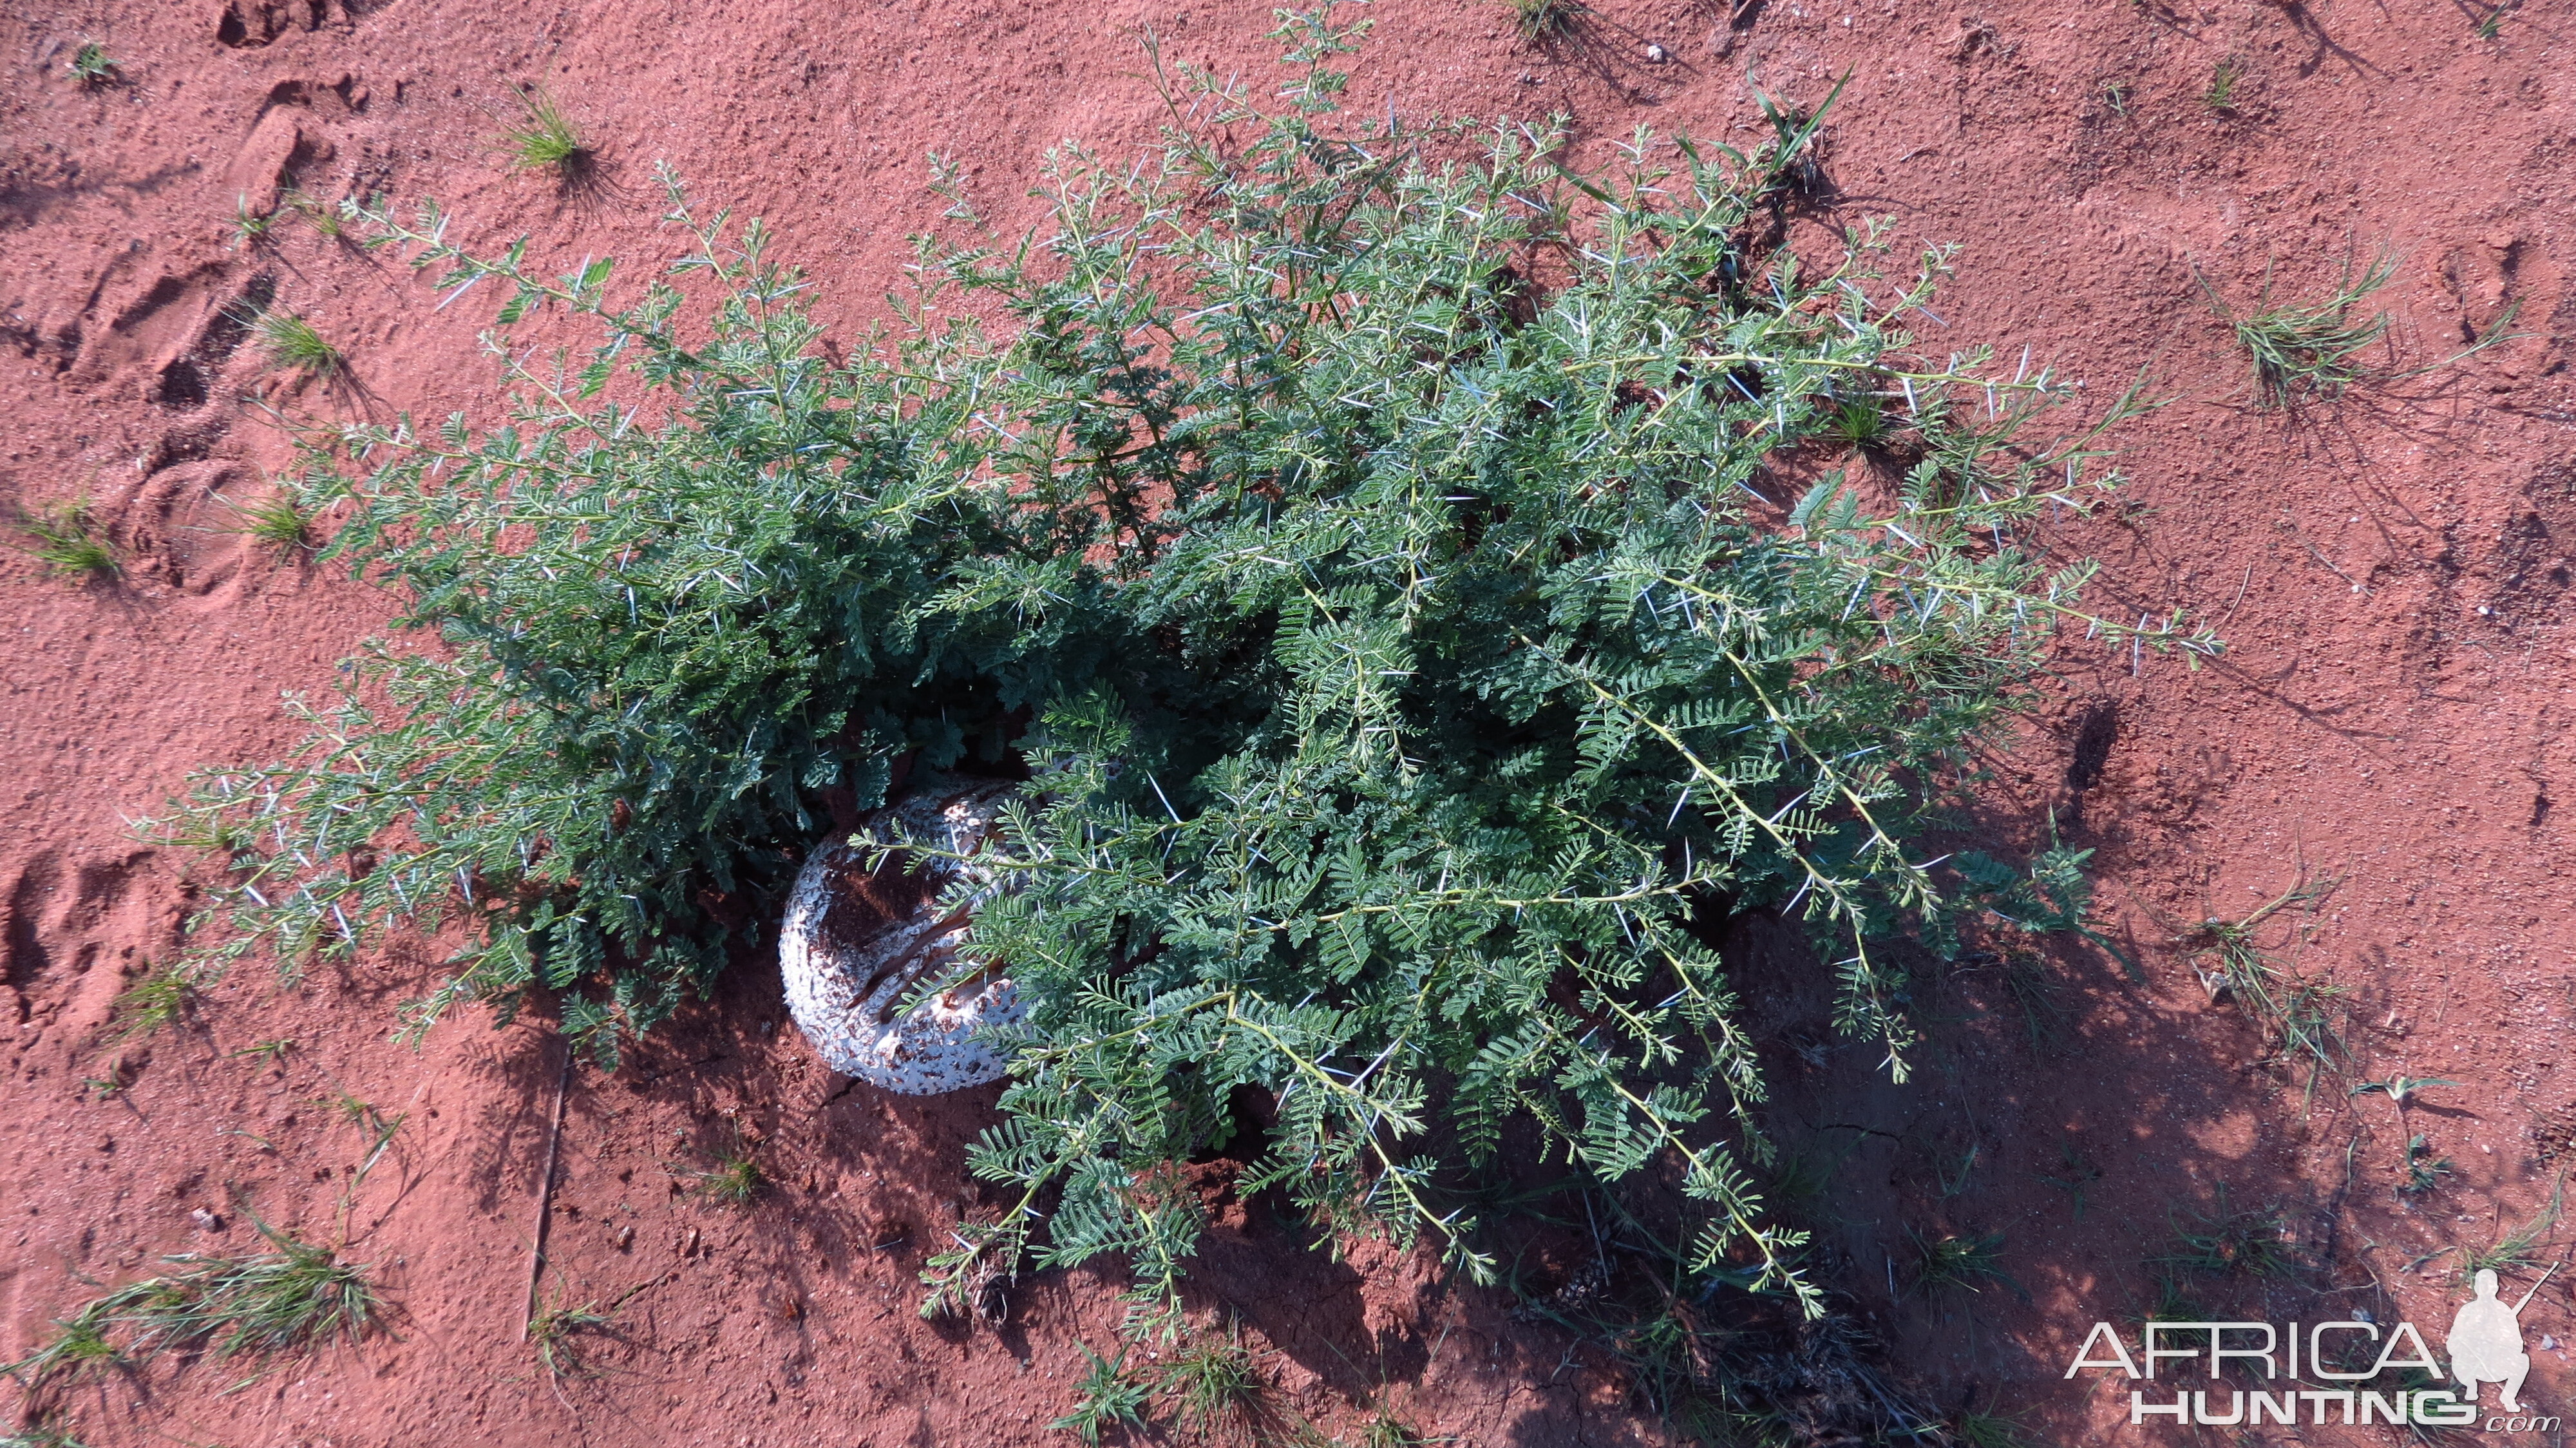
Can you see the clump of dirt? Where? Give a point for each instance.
(2387, 735)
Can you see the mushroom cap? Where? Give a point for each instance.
(856, 943)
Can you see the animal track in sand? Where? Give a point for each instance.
(59, 924)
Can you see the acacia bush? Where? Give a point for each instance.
(1424, 578)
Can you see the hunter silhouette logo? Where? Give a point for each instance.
(2486, 1341)
(2484, 1346)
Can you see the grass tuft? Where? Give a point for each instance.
(2299, 1014)
(1107, 1398)
(266, 1053)
(2221, 95)
(545, 139)
(1988, 1430)
(292, 343)
(1386, 1430)
(556, 1330)
(250, 227)
(2519, 1249)
(1216, 1387)
(735, 1180)
(2080, 1171)
(161, 997)
(1952, 1263)
(2311, 349)
(43, 1434)
(2173, 1301)
(91, 65)
(293, 1297)
(1859, 422)
(2424, 1169)
(79, 1348)
(275, 522)
(1539, 20)
(2237, 1244)
(2036, 992)
(322, 216)
(68, 543)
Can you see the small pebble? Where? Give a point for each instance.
(626, 1236)
(206, 1220)
(1655, 55)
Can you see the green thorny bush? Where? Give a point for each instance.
(1356, 528)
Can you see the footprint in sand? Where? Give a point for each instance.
(73, 934)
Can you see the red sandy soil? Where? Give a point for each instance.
(2391, 574)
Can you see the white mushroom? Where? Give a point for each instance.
(856, 944)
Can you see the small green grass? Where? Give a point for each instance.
(292, 343)
(1538, 20)
(160, 997)
(2312, 349)
(2173, 1302)
(2221, 95)
(1954, 1182)
(78, 1349)
(1216, 1387)
(2078, 1172)
(91, 65)
(2519, 1249)
(250, 226)
(2252, 1244)
(296, 1296)
(2299, 1014)
(1386, 1430)
(376, 1126)
(1952, 1263)
(324, 218)
(42, 1433)
(1803, 1179)
(1988, 1430)
(266, 1053)
(554, 1333)
(2308, 1024)
(2115, 94)
(2038, 994)
(292, 1297)
(2401, 1089)
(735, 1180)
(274, 522)
(1107, 1398)
(2424, 1170)
(545, 139)
(1858, 422)
(557, 1329)
(68, 542)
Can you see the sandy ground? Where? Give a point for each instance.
(2391, 574)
